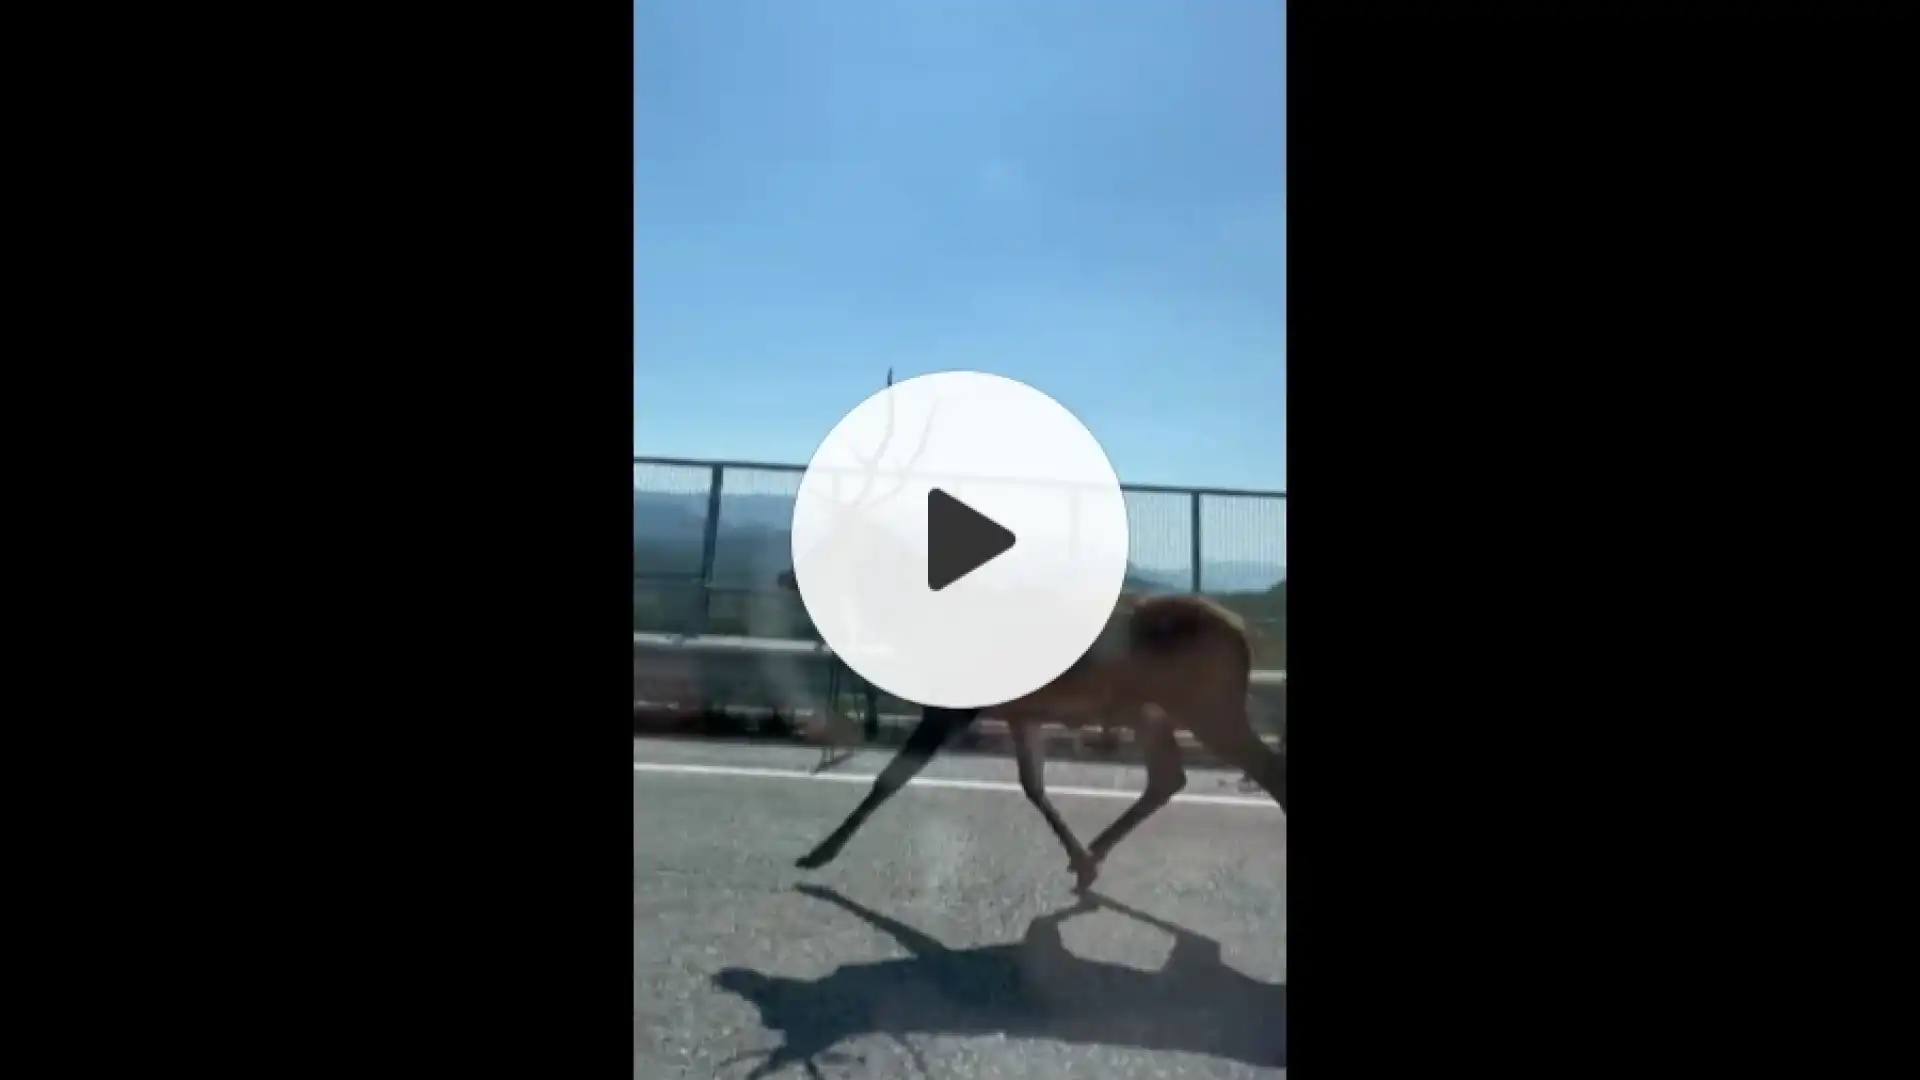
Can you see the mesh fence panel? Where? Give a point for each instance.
(1159, 540)
(669, 519)
(1243, 559)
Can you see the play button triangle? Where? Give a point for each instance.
(960, 540)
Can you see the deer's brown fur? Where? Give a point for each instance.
(1183, 653)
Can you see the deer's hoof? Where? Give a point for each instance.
(818, 857)
(1085, 872)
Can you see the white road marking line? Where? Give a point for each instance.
(661, 767)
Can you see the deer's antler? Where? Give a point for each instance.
(871, 465)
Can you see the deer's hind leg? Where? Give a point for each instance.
(1228, 732)
(1165, 778)
(1029, 753)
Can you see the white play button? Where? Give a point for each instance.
(959, 539)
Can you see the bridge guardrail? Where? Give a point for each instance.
(710, 540)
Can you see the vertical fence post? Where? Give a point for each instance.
(1194, 501)
(709, 539)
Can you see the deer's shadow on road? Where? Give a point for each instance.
(1030, 988)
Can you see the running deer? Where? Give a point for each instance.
(1186, 655)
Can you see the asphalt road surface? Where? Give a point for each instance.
(945, 941)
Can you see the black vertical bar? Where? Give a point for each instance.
(708, 542)
(1195, 504)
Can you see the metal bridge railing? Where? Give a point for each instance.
(711, 538)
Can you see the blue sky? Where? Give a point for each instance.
(1089, 197)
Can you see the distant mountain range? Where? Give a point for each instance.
(755, 544)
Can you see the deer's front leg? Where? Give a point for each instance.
(1029, 753)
